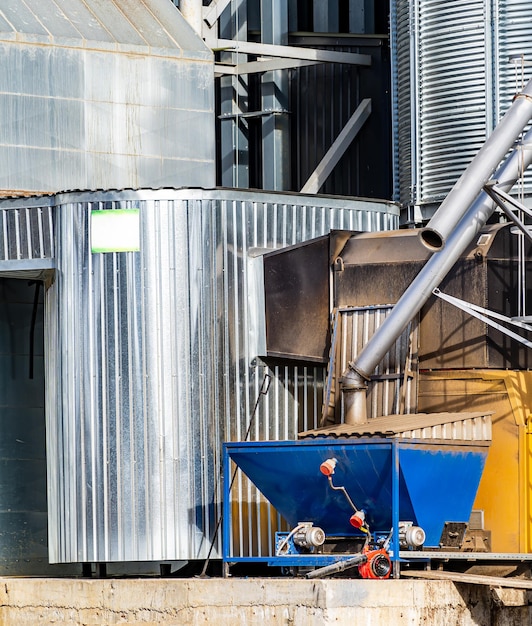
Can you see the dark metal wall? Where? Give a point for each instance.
(376, 268)
(23, 525)
(323, 98)
(23, 502)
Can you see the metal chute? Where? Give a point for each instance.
(458, 237)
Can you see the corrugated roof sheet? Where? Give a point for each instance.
(102, 24)
(475, 426)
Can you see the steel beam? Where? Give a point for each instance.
(274, 95)
(256, 67)
(338, 148)
(292, 52)
(214, 10)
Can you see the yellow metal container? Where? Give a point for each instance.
(504, 492)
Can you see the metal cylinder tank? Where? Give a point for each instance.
(456, 67)
(150, 364)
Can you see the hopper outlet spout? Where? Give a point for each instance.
(354, 388)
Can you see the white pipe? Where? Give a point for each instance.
(478, 171)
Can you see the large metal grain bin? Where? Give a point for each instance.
(151, 359)
(103, 95)
(456, 67)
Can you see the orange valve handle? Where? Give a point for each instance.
(328, 466)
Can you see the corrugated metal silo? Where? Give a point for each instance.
(103, 95)
(151, 365)
(453, 81)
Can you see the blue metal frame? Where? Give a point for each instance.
(394, 555)
(410, 488)
(303, 560)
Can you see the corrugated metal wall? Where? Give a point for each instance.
(453, 81)
(98, 95)
(150, 367)
(393, 386)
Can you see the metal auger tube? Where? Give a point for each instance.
(434, 236)
(339, 566)
(439, 264)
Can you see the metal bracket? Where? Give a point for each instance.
(484, 315)
(500, 198)
(292, 52)
(260, 66)
(250, 114)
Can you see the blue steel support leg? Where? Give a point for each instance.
(226, 512)
(395, 507)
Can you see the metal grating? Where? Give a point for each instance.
(26, 233)
(404, 141)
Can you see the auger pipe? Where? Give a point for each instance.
(429, 277)
(435, 234)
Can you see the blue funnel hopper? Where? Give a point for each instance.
(437, 480)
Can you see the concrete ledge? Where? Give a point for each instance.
(253, 601)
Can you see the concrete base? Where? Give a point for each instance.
(257, 601)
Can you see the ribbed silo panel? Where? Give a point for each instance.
(465, 60)
(514, 59)
(452, 92)
(404, 167)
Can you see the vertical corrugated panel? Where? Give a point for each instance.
(452, 91)
(404, 165)
(232, 226)
(150, 369)
(27, 233)
(393, 387)
(121, 349)
(512, 29)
